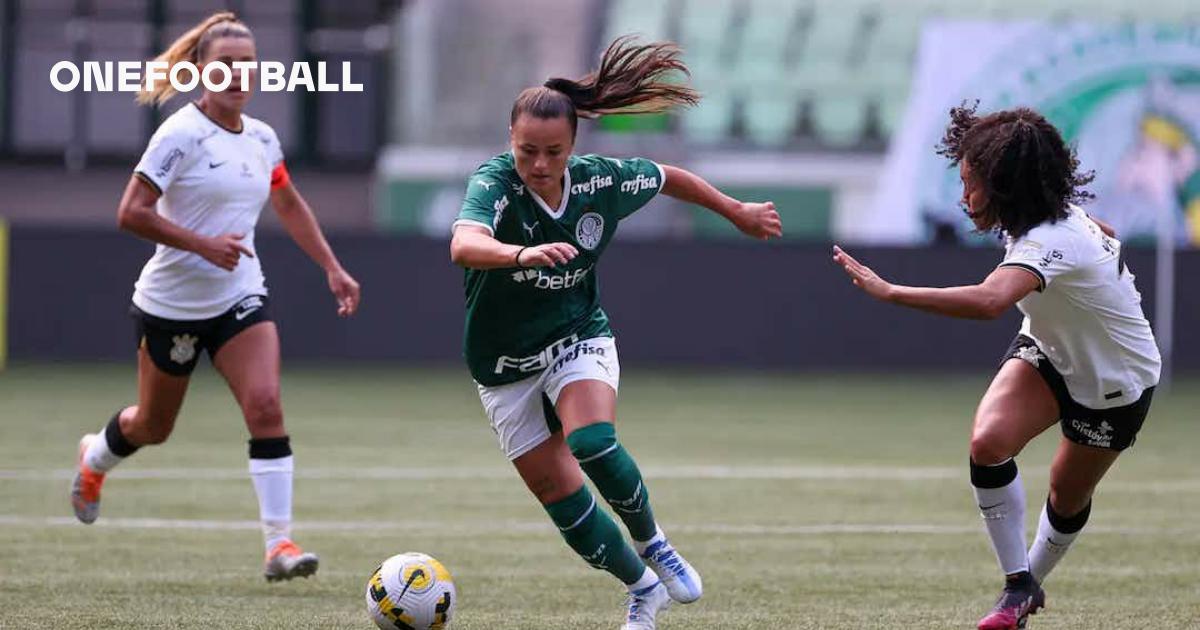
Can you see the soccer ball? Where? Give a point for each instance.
(411, 591)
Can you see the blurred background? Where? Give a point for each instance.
(830, 108)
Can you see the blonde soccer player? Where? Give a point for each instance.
(197, 192)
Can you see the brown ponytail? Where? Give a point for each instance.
(191, 46)
(630, 79)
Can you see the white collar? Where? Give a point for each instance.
(566, 195)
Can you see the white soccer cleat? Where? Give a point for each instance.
(682, 581)
(85, 487)
(644, 606)
(286, 561)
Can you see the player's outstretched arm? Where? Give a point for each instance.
(998, 292)
(759, 220)
(473, 247)
(136, 214)
(301, 224)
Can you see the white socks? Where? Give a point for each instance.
(98, 457)
(642, 545)
(273, 484)
(1052, 542)
(1001, 498)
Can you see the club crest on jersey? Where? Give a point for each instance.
(589, 230)
(184, 349)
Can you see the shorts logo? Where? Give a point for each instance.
(247, 306)
(185, 348)
(1100, 436)
(579, 350)
(1030, 354)
(589, 230)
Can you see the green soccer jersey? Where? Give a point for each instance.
(518, 320)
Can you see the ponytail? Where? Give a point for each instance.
(632, 78)
(191, 47)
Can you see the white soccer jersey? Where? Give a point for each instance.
(213, 181)
(1087, 314)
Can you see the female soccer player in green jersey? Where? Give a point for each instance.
(533, 225)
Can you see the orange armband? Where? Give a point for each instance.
(279, 177)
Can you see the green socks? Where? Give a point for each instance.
(593, 535)
(616, 476)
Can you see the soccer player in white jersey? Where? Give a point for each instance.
(197, 192)
(1085, 357)
(533, 227)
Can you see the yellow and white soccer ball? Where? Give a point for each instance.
(411, 591)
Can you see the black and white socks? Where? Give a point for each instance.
(271, 471)
(1054, 536)
(109, 448)
(1001, 498)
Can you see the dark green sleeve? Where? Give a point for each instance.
(635, 182)
(485, 201)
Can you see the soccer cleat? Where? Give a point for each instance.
(644, 605)
(286, 561)
(85, 487)
(682, 581)
(1012, 610)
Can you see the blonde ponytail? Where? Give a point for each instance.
(190, 47)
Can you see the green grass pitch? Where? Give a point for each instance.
(807, 501)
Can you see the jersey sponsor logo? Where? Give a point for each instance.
(638, 184)
(589, 230)
(551, 282)
(536, 362)
(582, 349)
(184, 349)
(1100, 436)
(169, 162)
(597, 182)
(246, 307)
(499, 207)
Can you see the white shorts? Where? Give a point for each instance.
(518, 411)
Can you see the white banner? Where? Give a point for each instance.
(1127, 96)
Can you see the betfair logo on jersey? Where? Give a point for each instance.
(638, 184)
(539, 361)
(592, 185)
(551, 282)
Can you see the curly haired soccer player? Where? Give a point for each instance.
(532, 229)
(1085, 357)
(198, 192)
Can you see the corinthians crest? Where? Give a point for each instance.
(184, 349)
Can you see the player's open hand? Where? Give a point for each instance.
(759, 220)
(547, 255)
(861, 275)
(345, 288)
(224, 251)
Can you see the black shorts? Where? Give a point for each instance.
(175, 345)
(1115, 428)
